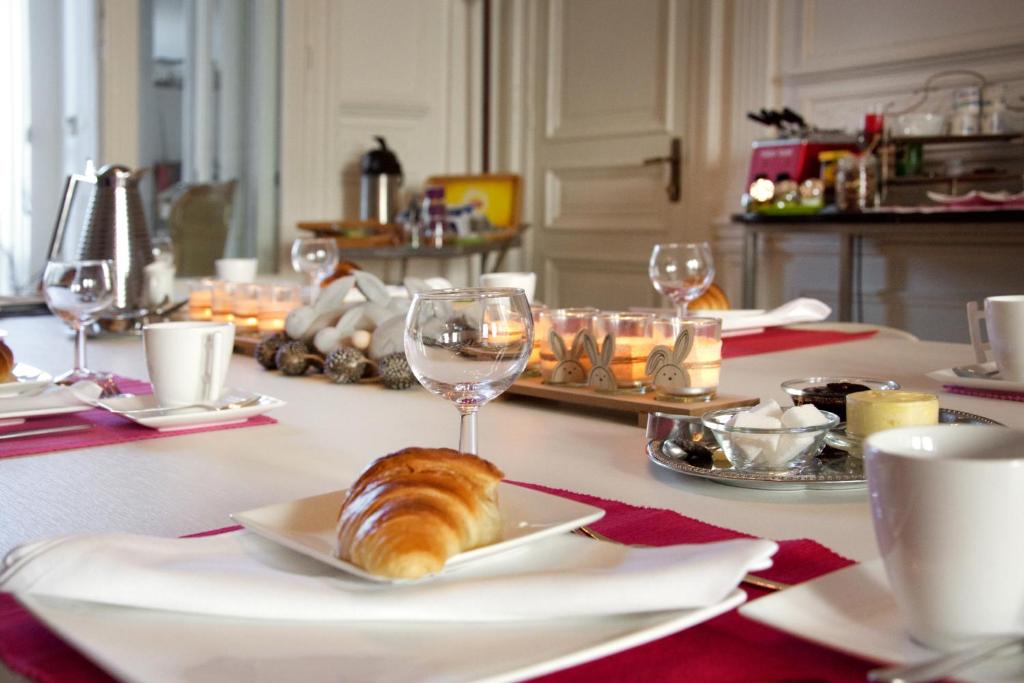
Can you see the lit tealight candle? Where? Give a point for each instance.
(633, 343)
(702, 363)
(276, 302)
(566, 322)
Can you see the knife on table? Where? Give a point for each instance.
(46, 430)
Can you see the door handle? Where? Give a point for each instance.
(675, 165)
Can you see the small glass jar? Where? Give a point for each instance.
(200, 299)
(223, 300)
(633, 343)
(276, 302)
(245, 307)
(541, 325)
(566, 363)
(857, 183)
(679, 373)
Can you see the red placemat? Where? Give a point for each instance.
(107, 428)
(782, 339)
(727, 648)
(985, 393)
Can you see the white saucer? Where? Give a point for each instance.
(308, 525)
(852, 610)
(186, 418)
(996, 383)
(28, 381)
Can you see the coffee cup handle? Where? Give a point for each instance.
(975, 316)
(212, 366)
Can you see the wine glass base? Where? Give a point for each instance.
(106, 380)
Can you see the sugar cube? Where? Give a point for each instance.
(806, 415)
(752, 445)
(771, 408)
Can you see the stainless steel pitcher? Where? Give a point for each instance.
(115, 229)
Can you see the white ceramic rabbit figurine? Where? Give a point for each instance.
(666, 367)
(601, 377)
(569, 370)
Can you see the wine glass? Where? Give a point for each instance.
(76, 291)
(315, 256)
(468, 346)
(681, 272)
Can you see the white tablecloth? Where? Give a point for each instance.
(327, 434)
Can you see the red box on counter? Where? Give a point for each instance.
(797, 157)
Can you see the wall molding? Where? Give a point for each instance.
(835, 62)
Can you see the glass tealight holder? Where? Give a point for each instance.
(200, 299)
(245, 307)
(566, 364)
(541, 325)
(223, 301)
(633, 343)
(276, 302)
(686, 370)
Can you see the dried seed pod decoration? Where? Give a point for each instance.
(266, 350)
(294, 358)
(345, 365)
(395, 372)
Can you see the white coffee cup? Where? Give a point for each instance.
(236, 269)
(188, 361)
(1004, 323)
(948, 508)
(524, 281)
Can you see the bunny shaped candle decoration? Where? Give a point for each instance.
(690, 369)
(569, 369)
(601, 377)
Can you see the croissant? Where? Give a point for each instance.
(6, 362)
(412, 510)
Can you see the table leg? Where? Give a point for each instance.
(498, 261)
(846, 250)
(403, 269)
(749, 267)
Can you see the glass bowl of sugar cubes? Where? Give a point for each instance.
(767, 438)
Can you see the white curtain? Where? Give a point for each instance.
(15, 159)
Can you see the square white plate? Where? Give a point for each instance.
(186, 418)
(28, 381)
(853, 610)
(308, 525)
(996, 383)
(157, 646)
(52, 400)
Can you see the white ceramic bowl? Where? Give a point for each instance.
(918, 124)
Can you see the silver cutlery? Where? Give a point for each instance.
(973, 372)
(45, 430)
(941, 667)
(211, 407)
(750, 579)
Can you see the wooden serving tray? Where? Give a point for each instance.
(639, 404)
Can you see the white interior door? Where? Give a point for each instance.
(605, 99)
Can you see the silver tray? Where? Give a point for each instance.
(839, 439)
(841, 472)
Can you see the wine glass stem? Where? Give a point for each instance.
(80, 346)
(467, 430)
(314, 288)
(682, 308)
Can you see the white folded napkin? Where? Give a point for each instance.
(54, 397)
(240, 574)
(802, 310)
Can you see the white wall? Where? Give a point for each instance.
(835, 58)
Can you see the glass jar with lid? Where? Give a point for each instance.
(857, 183)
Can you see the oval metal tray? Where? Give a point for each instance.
(839, 439)
(841, 472)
